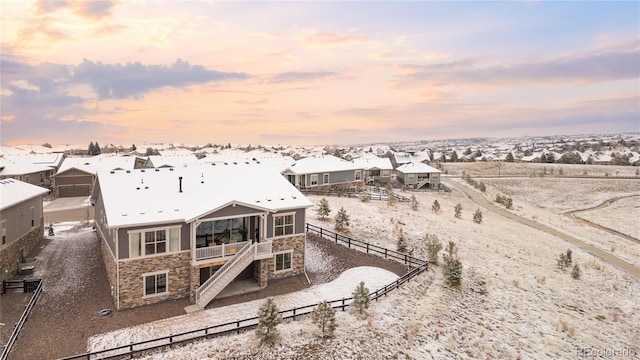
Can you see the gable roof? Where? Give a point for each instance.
(374, 163)
(13, 192)
(13, 167)
(152, 196)
(321, 164)
(415, 168)
(94, 164)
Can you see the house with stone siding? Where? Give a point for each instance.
(188, 232)
(418, 175)
(21, 221)
(325, 172)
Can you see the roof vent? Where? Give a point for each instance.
(202, 182)
(138, 188)
(180, 183)
(128, 171)
(142, 170)
(112, 172)
(146, 187)
(170, 169)
(125, 214)
(226, 163)
(235, 163)
(294, 197)
(157, 170)
(281, 198)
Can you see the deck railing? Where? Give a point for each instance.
(219, 251)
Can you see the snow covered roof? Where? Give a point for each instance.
(52, 160)
(319, 164)
(13, 192)
(172, 159)
(97, 163)
(152, 196)
(415, 168)
(12, 167)
(374, 163)
(405, 158)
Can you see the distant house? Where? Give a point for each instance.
(21, 221)
(325, 172)
(170, 160)
(376, 169)
(23, 170)
(182, 232)
(419, 175)
(77, 175)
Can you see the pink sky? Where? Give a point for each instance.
(315, 73)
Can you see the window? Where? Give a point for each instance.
(155, 283)
(150, 242)
(33, 217)
(325, 178)
(283, 225)
(374, 172)
(358, 174)
(283, 261)
(385, 172)
(3, 231)
(314, 179)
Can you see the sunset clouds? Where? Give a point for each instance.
(315, 72)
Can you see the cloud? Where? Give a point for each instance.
(333, 38)
(613, 63)
(48, 6)
(95, 9)
(251, 102)
(132, 80)
(294, 76)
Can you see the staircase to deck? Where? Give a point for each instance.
(229, 271)
(422, 183)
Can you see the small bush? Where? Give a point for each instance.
(361, 298)
(435, 207)
(575, 273)
(452, 267)
(414, 203)
(482, 187)
(365, 195)
(342, 220)
(323, 209)
(402, 242)
(324, 316)
(433, 248)
(458, 210)
(268, 319)
(477, 216)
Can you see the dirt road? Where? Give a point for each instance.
(480, 200)
(574, 214)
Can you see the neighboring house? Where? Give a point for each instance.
(376, 169)
(171, 160)
(419, 175)
(183, 232)
(20, 168)
(325, 172)
(21, 221)
(78, 174)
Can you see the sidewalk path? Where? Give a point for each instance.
(614, 260)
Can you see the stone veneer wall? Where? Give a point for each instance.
(9, 255)
(132, 284)
(295, 243)
(110, 266)
(338, 187)
(261, 272)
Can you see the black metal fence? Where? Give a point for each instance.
(27, 309)
(374, 194)
(26, 285)
(418, 266)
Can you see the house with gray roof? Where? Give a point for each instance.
(188, 232)
(325, 172)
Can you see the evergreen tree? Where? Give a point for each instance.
(391, 199)
(509, 157)
(91, 148)
(323, 209)
(477, 216)
(133, 147)
(365, 194)
(452, 267)
(575, 273)
(96, 149)
(149, 152)
(433, 248)
(454, 156)
(414, 203)
(402, 242)
(342, 220)
(436, 206)
(268, 319)
(361, 298)
(324, 316)
(458, 210)
(47, 145)
(482, 187)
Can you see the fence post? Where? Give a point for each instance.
(237, 327)
(367, 248)
(320, 232)
(170, 338)
(385, 253)
(294, 313)
(336, 237)
(349, 242)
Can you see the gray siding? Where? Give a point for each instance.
(100, 219)
(335, 177)
(123, 237)
(231, 211)
(299, 221)
(18, 218)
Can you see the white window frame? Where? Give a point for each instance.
(313, 179)
(284, 224)
(326, 179)
(385, 173)
(358, 175)
(275, 261)
(170, 246)
(3, 231)
(155, 273)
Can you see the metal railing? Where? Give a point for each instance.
(18, 327)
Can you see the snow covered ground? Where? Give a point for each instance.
(628, 208)
(513, 303)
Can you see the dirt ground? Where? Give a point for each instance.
(62, 321)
